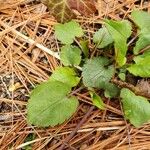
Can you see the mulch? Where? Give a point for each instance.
(26, 30)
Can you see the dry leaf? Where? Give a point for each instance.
(144, 86)
(63, 10)
(84, 7)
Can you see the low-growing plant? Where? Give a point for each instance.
(51, 102)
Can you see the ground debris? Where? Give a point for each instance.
(28, 65)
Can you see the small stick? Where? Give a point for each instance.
(131, 87)
(144, 49)
(77, 128)
(31, 41)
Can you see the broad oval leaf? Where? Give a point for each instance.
(67, 32)
(49, 104)
(65, 75)
(141, 67)
(142, 20)
(70, 55)
(102, 38)
(63, 10)
(143, 41)
(136, 108)
(120, 32)
(96, 73)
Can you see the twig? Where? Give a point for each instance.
(132, 40)
(30, 142)
(144, 49)
(77, 128)
(131, 87)
(19, 102)
(32, 42)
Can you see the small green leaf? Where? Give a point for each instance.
(70, 55)
(97, 101)
(49, 104)
(136, 108)
(120, 32)
(96, 73)
(85, 49)
(67, 32)
(142, 20)
(65, 75)
(102, 38)
(122, 76)
(111, 90)
(141, 67)
(143, 41)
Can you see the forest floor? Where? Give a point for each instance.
(26, 29)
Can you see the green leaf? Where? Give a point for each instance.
(96, 73)
(67, 32)
(142, 20)
(65, 75)
(136, 108)
(111, 90)
(139, 58)
(143, 41)
(102, 38)
(122, 76)
(70, 55)
(97, 100)
(49, 104)
(85, 49)
(120, 32)
(141, 67)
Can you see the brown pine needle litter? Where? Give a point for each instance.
(28, 55)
